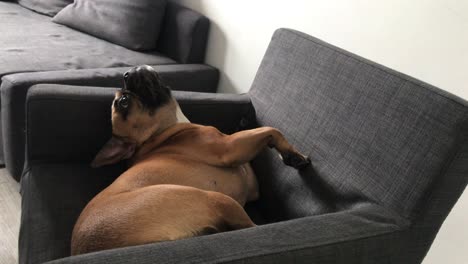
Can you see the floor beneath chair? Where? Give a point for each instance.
(10, 210)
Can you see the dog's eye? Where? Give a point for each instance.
(124, 101)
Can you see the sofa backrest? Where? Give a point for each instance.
(374, 135)
(184, 34)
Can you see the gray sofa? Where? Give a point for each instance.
(389, 160)
(34, 50)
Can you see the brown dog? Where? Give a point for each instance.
(184, 179)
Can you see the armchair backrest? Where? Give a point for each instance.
(374, 135)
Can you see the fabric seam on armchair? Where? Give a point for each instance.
(454, 155)
(294, 249)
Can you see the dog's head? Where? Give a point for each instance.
(142, 108)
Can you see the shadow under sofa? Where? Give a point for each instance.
(389, 160)
(35, 50)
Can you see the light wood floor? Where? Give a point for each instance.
(10, 210)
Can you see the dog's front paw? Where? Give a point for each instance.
(295, 160)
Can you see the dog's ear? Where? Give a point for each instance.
(113, 151)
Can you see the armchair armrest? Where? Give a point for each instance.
(66, 123)
(14, 87)
(71, 123)
(368, 234)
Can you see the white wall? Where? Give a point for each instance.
(427, 39)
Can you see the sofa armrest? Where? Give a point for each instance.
(362, 235)
(71, 123)
(191, 77)
(184, 34)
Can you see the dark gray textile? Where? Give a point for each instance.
(374, 135)
(55, 136)
(283, 242)
(73, 138)
(184, 34)
(31, 42)
(132, 24)
(75, 188)
(15, 86)
(54, 153)
(389, 160)
(46, 7)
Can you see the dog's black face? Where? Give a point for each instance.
(142, 83)
(140, 109)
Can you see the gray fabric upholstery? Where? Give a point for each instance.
(184, 34)
(61, 141)
(132, 24)
(46, 7)
(283, 242)
(55, 137)
(389, 160)
(32, 43)
(15, 86)
(374, 135)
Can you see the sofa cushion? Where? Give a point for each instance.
(132, 24)
(46, 7)
(31, 43)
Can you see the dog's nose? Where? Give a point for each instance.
(125, 76)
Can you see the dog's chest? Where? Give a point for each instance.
(173, 168)
(203, 144)
(189, 158)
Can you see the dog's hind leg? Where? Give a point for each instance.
(231, 213)
(156, 213)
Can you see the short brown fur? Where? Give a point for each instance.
(184, 180)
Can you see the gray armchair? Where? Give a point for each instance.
(389, 160)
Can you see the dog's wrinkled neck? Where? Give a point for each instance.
(169, 118)
(172, 122)
(156, 140)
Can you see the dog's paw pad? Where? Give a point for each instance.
(296, 160)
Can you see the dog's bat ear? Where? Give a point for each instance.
(113, 151)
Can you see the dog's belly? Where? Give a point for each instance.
(237, 182)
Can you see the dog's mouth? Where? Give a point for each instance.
(145, 84)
